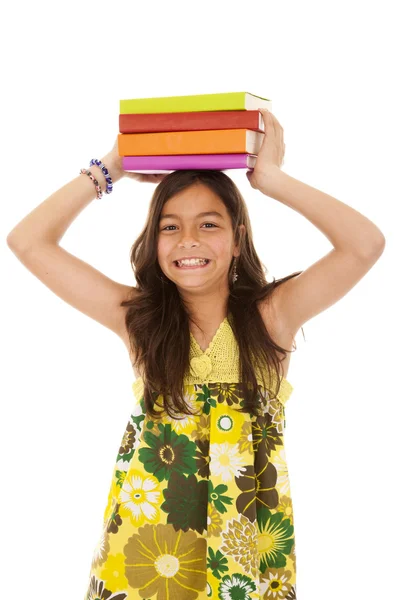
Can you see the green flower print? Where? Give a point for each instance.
(167, 452)
(236, 587)
(207, 399)
(215, 496)
(217, 562)
(186, 502)
(275, 539)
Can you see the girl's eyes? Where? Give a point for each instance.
(203, 224)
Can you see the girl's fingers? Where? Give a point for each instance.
(265, 115)
(270, 120)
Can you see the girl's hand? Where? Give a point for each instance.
(113, 162)
(271, 152)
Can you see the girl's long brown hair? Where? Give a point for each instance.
(157, 319)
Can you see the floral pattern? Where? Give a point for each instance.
(240, 540)
(199, 507)
(167, 452)
(139, 498)
(165, 563)
(186, 502)
(236, 586)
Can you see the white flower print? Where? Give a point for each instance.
(226, 461)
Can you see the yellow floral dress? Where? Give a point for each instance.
(200, 507)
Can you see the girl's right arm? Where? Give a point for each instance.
(35, 242)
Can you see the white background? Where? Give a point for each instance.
(330, 69)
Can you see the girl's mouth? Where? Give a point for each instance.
(190, 267)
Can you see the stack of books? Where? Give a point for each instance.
(205, 131)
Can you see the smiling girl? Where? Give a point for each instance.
(199, 504)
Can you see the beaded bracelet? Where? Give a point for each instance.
(96, 183)
(106, 174)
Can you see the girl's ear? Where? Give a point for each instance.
(242, 232)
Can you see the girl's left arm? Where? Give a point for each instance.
(357, 245)
(346, 228)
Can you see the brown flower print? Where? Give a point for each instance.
(276, 583)
(214, 521)
(128, 439)
(240, 542)
(202, 430)
(98, 591)
(203, 458)
(169, 563)
(246, 437)
(115, 520)
(274, 408)
(286, 507)
(228, 393)
(265, 435)
(257, 485)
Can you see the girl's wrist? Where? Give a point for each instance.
(269, 178)
(114, 166)
(115, 171)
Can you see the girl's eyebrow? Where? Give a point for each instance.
(213, 213)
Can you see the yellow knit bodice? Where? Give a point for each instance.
(219, 363)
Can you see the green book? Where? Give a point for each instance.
(194, 103)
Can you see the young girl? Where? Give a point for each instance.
(199, 503)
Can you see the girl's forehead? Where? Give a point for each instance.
(188, 203)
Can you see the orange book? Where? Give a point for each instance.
(224, 141)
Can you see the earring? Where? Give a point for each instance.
(235, 276)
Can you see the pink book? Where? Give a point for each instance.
(168, 163)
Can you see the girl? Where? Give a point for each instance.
(199, 503)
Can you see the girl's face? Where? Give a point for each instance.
(185, 232)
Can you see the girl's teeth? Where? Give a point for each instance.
(192, 263)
